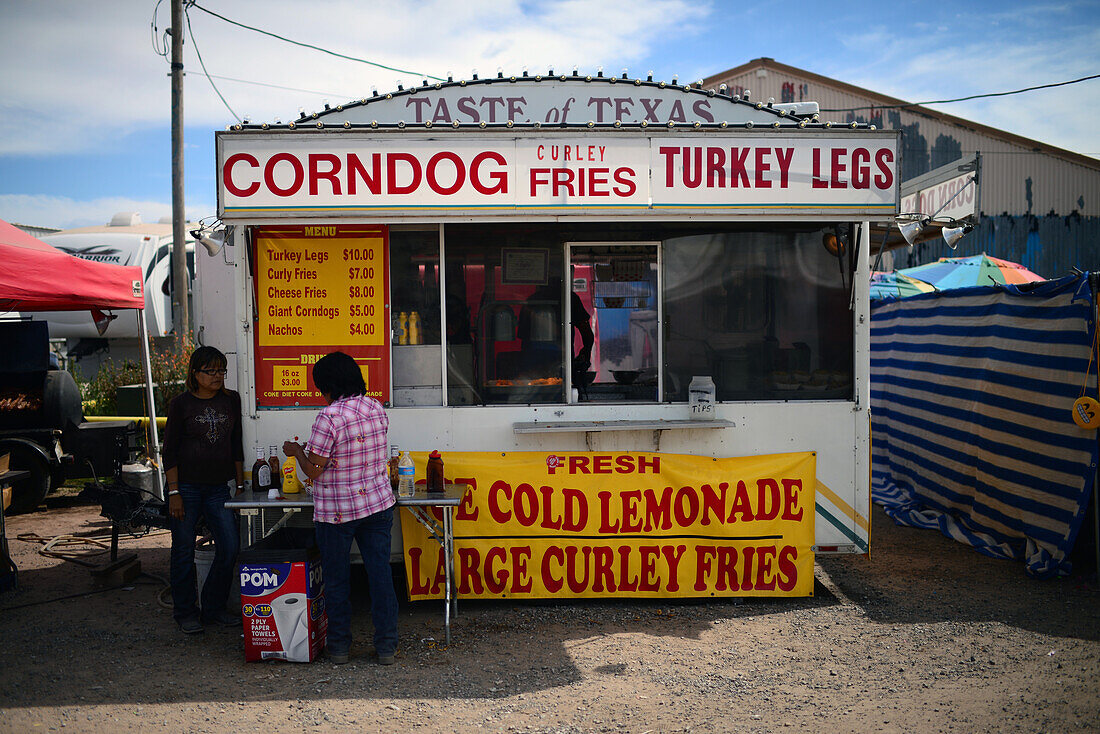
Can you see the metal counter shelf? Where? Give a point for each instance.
(419, 505)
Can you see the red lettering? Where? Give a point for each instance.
(672, 557)
(392, 160)
(767, 489)
(625, 582)
(658, 512)
(466, 509)
(629, 500)
(499, 178)
(521, 581)
(605, 514)
(625, 178)
(578, 464)
(765, 579)
(373, 180)
(499, 515)
(703, 554)
(576, 585)
(885, 179)
(552, 583)
(601, 464)
(741, 505)
(788, 573)
(815, 177)
(576, 510)
(647, 578)
(791, 488)
(469, 575)
(495, 580)
(746, 583)
(526, 505)
(861, 169)
(761, 168)
(686, 507)
(784, 156)
(727, 569)
(716, 167)
(624, 464)
(670, 155)
(419, 585)
(295, 166)
(227, 174)
(839, 166)
(316, 174)
(460, 173)
(714, 503)
(547, 521)
(602, 576)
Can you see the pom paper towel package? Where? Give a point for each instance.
(282, 599)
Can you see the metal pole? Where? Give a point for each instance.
(154, 439)
(1094, 285)
(180, 279)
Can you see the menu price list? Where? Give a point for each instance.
(319, 289)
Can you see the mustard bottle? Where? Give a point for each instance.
(291, 483)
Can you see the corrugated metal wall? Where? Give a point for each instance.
(1035, 204)
(1016, 180)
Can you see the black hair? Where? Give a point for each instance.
(201, 359)
(338, 376)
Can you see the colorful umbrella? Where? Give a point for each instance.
(963, 272)
(896, 285)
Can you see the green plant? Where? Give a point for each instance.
(168, 359)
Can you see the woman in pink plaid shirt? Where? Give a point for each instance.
(352, 500)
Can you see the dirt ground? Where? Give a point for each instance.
(924, 635)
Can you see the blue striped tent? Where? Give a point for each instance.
(971, 391)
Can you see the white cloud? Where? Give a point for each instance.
(65, 213)
(77, 73)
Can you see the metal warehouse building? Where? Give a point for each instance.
(1039, 205)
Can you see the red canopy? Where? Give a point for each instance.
(37, 277)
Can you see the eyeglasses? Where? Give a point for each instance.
(214, 373)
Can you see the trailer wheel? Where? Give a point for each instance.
(29, 492)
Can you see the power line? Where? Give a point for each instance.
(961, 99)
(204, 71)
(279, 86)
(309, 45)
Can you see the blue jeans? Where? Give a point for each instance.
(202, 500)
(372, 534)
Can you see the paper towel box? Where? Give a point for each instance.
(282, 598)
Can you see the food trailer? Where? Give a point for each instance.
(538, 275)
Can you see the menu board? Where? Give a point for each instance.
(319, 289)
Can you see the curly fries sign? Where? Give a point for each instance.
(569, 525)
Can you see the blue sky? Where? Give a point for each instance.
(85, 98)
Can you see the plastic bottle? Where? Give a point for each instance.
(403, 328)
(434, 473)
(414, 328)
(406, 476)
(391, 469)
(291, 483)
(261, 472)
(273, 463)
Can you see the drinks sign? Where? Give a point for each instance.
(319, 289)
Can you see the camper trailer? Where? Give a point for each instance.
(126, 240)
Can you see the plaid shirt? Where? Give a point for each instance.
(351, 432)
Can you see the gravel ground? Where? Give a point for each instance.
(924, 635)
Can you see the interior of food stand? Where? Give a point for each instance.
(765, 308)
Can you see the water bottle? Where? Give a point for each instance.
(406, 476)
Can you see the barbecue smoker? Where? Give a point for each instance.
(42, 422)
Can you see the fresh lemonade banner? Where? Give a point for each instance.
(535, 525)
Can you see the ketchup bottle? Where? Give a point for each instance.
(435, 473)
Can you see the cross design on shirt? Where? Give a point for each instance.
(213, 421)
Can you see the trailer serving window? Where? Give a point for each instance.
(763, 309)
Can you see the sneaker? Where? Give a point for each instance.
(190, 626)
(386, 659)
(226, 618)
(336, 658)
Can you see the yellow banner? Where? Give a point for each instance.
(535, 525)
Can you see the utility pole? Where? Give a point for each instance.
(181, 281)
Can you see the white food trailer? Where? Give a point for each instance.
(545, 263)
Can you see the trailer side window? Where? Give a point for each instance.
(765, 313)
